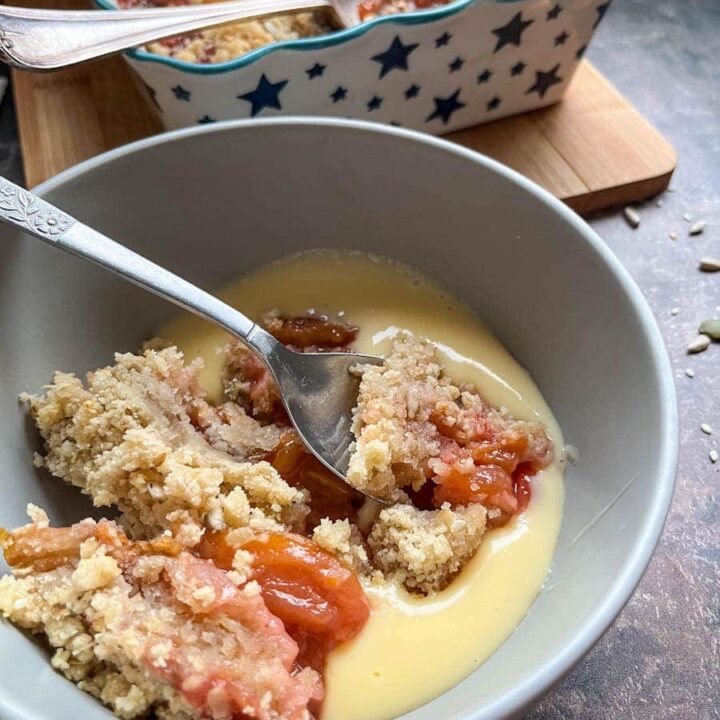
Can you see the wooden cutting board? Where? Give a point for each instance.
(593, 150)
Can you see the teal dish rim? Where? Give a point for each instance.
(420, 17)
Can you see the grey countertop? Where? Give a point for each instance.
(661, 659)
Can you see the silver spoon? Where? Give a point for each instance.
(37, 39)
(317, 389)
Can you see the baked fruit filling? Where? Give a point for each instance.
(238, 562)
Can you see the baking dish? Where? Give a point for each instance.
(434, 70)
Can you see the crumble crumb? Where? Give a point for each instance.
(425, 549)
(344, 540)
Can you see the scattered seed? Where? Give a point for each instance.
(659, 203)
(670, 189)
(713, 455)
(711, 328)
(673, 236)
(690, 373)
(687, 217)
(631, 216)
(697, 227)
(709, 264)
(699, 344)
(706, 429)
(674, 311)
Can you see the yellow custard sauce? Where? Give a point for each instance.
(412, 649)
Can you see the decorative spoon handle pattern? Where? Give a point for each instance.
(32, 214)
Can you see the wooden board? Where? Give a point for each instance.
(593, 150)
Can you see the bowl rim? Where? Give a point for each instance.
(592, 628)
(318, 42)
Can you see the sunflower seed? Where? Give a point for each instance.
(697, 227)
(713, 455)
(631, 216)
(699, 344)
(709, 264)
(690, 373)
(711, 328)
(706, 429)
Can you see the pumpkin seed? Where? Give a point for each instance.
(697, 227)
(706, 429)
(674, 311)
(673, 236)
(690, 373)
(687, 217)
(699, 344)
(713, 455)
(709, 264)
(711, 328)
(631, 216)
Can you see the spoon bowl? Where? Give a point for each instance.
(319, 391)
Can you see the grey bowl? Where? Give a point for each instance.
(213, 201)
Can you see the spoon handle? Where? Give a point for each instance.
(38, 39)
(39, 218)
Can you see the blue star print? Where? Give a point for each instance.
(181, 93)
(494, 103)
(374, 103)
(444, 39)
(544, 81)
(601, 10)
(412, 92)
(339, 94)
(265, 95)
(561, 38)
(554, 12)
(446, 107)
(511, 34)
(206, 119)
(517, 68)
(316, 70)
(456, 64)
(395, 57)
(484, 76)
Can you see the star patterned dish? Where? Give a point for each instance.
(435, 70)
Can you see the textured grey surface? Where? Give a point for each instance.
(661, 659)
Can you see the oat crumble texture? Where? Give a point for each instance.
(151, 629)
(220, 44)
(425, 549)
(401, 406)
(141, 436)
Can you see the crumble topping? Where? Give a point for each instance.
(141, 436)
(417, 429)
(145, 631)
(425, 549)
